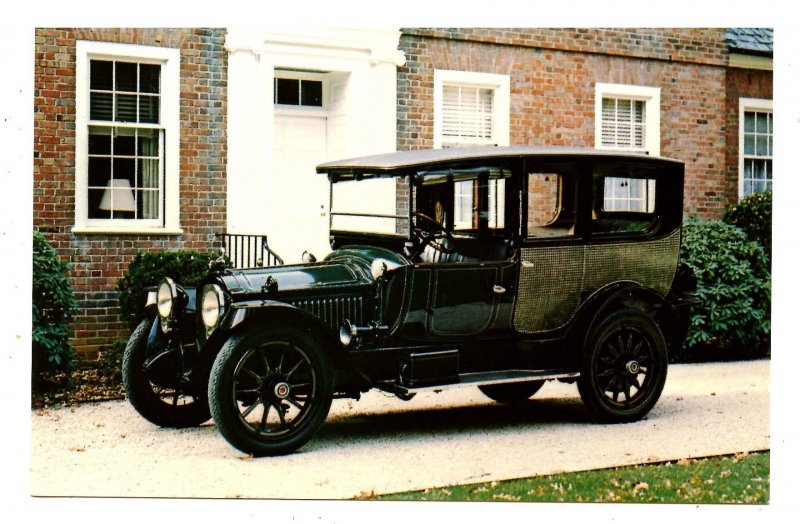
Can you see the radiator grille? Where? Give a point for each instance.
(333, 310)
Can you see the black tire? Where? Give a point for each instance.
(153, 385)
(510, 393)
(270, 390)
(624, 367)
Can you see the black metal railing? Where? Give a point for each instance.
(248, 250)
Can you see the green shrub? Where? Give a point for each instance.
(733, 283)
(111, 360)
(753, 215)
(187, 268)
(53, 307)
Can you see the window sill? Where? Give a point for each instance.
(78, 230)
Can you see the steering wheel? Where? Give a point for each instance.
(428, 231)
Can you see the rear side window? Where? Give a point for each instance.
(624, 199)
(551, 204)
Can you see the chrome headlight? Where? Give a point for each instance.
(212, 305)
(165, 298)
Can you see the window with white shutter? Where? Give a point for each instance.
(466, 115)
(627, 118)
(470, 109)
(623, 124)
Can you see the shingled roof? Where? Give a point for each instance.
(750, 40)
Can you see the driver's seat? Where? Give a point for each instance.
(431, 255)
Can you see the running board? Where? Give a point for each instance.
(484, 379)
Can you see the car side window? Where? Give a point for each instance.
(624, 199)
(479, 201)
(551, 205)
(476, 196)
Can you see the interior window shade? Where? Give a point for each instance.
(466, 114)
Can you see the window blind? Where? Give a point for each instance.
(623, 123)
(466, 114)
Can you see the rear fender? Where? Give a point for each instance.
(619, 295)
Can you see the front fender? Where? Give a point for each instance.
(157, 341)
(246, 316)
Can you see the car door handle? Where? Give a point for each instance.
(498, 289)
(527, 264)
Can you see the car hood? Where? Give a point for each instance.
(345, 267)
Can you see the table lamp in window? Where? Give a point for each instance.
(118, 199)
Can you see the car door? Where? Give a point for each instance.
(464, 298)
(551, 273)
(456, 300)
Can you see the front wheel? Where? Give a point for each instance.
(270, 390)
(624, 367)
(154, 384)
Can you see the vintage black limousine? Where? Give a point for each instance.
(498, 267)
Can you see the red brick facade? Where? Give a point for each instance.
(98, 260)
(553, 73)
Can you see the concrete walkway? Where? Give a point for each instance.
(382, 444)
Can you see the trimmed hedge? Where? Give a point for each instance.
(187, 268)
(53, 308)
(733, 283)
(753, 215)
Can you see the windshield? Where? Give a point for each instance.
(368, 206)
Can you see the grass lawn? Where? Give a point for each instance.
(739, 479)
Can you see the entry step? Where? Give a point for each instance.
(493, 377)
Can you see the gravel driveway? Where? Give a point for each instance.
(381, 444)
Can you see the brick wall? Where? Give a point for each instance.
(98, 261)
(553, 73)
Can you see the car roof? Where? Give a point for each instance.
(400, 163)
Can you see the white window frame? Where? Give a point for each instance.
(762, 105)
(501, 100)
(169, 120)
(500, 85)
(651, 96)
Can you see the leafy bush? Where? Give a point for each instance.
(187, 268)
(111, 360)
(753, 215)
(53, 308)
(733, 283)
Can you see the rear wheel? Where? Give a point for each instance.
(624, 367)
(514, 392)
(154, 384)
(270, 390)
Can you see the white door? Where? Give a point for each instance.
(300, 214)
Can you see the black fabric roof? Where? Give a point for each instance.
(751, 40)
(400, 162)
